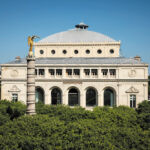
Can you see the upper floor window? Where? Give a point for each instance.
(99, 51)
(76, 72)
(52, 71)
(53, 51)
(69, 71)
(76, 51)
(133, 101)
(112, 72)
(14, 97)
(41, 52)
(104, 72)
(88, 51)
(94, 71)
(36, 71)
(58, 71)
(111, 51)
(41, 72)
(87, 72)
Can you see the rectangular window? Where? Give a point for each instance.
(112, 72)
(52, 72)
(59, 72)
(69, 72)
(104, 72)
(76, 72)
(41, 72)
(94, 72)
(14, 97)
(87, 72)
(35, 71)
(133, 101)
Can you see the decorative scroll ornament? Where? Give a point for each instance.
(30, 43)
(14, 89)
(14, 73)
(132, 90)
(132, 73)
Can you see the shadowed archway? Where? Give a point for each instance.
(109, 97)
(91, 97)
(56, 96)
(39, 95)
(73, 97)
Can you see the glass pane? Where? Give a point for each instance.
(73, 97)
(109, 98)
(39, 95)
(56, 96)
(90, 97)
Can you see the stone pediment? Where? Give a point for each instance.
(132, 90)
(14, 89)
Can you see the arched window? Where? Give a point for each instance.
(91, 97)
(109, 98)
(56, 96)
(39, 95)
(73, 97)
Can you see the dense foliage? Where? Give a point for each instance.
(61, 127)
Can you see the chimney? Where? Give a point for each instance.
(138, 58)
(17, 58)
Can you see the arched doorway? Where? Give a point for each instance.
(91, 97)
(39, 95)
(56, 96)
(109, 97)
(73, 97)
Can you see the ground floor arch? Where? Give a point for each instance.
(39, 95)
(73, 97)
(91, 97)
(56, 96)
(109, 97)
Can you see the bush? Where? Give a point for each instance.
(143, 111)
(11, 109)
(64, 113)
(62, 128)
(143, 107)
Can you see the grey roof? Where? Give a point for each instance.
(106, 60)
(76, 36)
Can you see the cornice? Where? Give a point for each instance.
(77, 80)
(77, 65)
(78, 44)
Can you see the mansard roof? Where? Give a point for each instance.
(73, 60)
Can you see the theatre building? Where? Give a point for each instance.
(78, 67)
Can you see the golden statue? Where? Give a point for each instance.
(30, 43)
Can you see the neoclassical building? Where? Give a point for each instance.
(78, 67)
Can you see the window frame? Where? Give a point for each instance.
(133, 100)
(14, 97)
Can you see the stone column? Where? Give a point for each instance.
(30, 85)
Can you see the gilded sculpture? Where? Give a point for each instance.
(30, 43)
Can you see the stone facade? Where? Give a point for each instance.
(111, 79)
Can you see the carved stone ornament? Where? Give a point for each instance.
(132, 90)
(132, 73)
(14, 73)
(14, 89)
